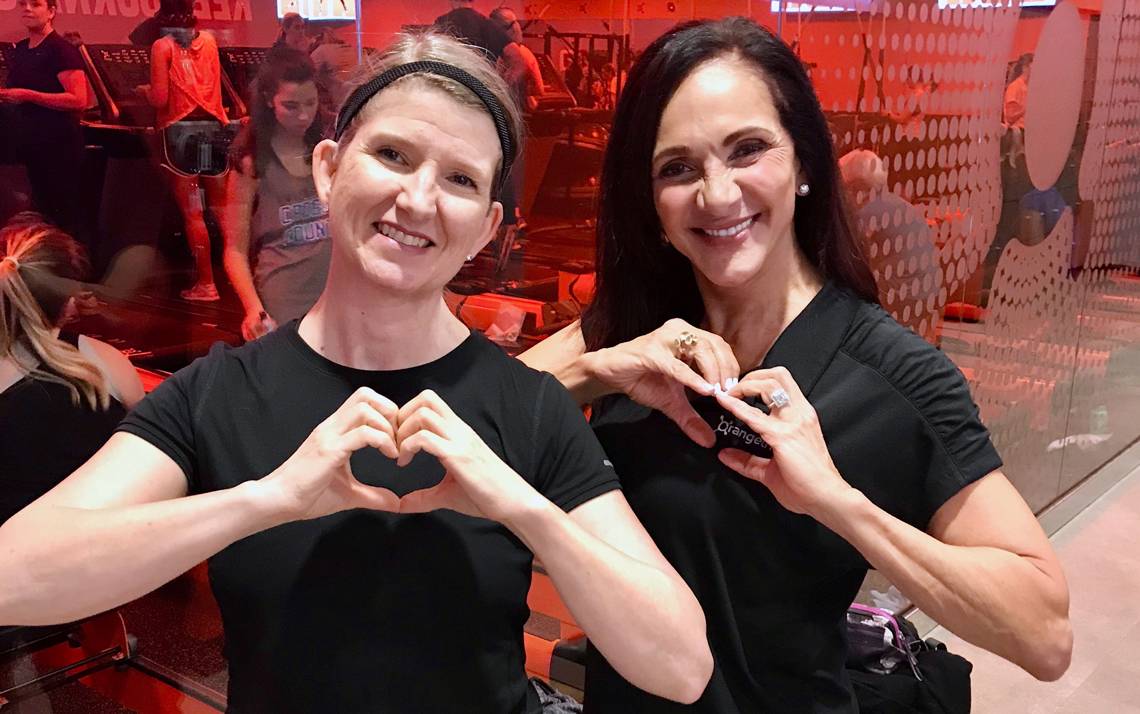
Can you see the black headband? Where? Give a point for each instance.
(369, 89)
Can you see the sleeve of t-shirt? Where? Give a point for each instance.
(167, 417)
(67, 57)
(570, 466)
(961, 451)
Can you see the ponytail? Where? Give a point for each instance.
(39, 267)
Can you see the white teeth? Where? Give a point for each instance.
(729, 232)
(403, 238)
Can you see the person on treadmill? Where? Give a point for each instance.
(46, 92)
(467, 24)
(525, 80)
(372, 483)
(186, 92)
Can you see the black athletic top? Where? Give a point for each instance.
(901, 427)
(44, 437)
(366, 611)
(37, 68)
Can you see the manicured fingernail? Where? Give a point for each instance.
(717, 387)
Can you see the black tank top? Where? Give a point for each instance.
(44, 437)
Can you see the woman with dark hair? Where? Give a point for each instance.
(728, 215)
(47, 90)
(61, 394)
(372, 483)
(186, 91)
(277, 248)
(292, 35)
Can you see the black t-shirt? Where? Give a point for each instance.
(901, 427)
(364, 611)
(473, 28)
(37, 68)
(44, 437)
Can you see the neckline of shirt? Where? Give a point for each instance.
(809, 342)
(449, 362)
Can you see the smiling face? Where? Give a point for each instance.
(409, 194)
(725, 175)
(294, 106)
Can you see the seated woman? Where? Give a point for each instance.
(275, 216)
(61, 394)
(370, 483)
(728, 215)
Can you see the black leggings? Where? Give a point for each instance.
(55, 170)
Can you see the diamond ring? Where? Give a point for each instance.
(780, 399)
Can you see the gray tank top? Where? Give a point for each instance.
(290, 241)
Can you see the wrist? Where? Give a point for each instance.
(843, 510)
(267, 505)
(532, 513)
(591, 363)
(253, 306)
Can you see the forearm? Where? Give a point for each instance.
(991, 597)
(61, 564)
(564, 355)
(61, 101)
(646, 622)
(241, 277)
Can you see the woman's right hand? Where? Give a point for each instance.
(317, 479)
(255, 324)
(654, 370)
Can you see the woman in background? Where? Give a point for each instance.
(61, 394)
(277, 247)
(47, 90)
(186, 91)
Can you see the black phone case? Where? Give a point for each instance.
(731, 432)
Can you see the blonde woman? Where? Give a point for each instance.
(61, 394)
(372, 483)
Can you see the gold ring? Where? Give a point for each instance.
(685, 344)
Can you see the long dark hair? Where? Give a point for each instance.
(282, 64)
(641, 282)
(176, 18)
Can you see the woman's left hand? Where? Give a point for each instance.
(477, 481)
(800, 474)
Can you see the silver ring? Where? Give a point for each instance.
(780, 399)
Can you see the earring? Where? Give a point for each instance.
(470, 257)
(803, 189)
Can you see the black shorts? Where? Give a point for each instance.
(198, 147)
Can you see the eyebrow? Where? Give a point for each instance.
(383, 136)
(729, 140)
